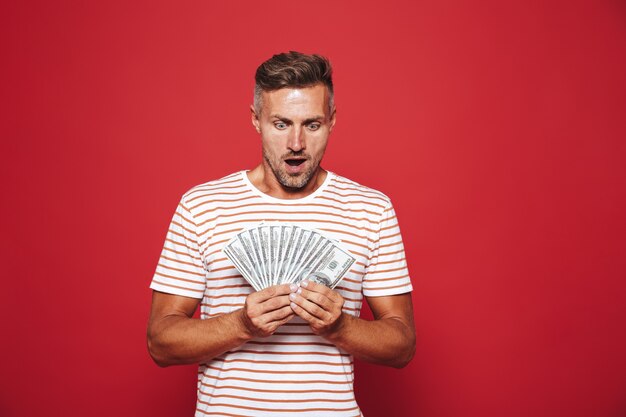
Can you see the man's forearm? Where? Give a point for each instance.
(177, 339)
(387, 341)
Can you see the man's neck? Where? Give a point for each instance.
(265, 181)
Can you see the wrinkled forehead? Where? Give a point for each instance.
(299, 100)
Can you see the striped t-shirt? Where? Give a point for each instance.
(293, 371)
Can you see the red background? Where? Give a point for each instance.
(497, 128)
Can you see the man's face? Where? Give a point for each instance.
(294, 124)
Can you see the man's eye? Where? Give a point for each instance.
(314, 126)
(280, 125)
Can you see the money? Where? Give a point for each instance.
(277, 253)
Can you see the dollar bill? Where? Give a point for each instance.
(252, 245)
(275, 253)
(274, 231)
(292, 248)
(331, 268)
(264, 248)
(236, 252)
(317, 251)
(286, 240)
(304, 240)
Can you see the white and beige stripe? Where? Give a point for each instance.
(292, 371)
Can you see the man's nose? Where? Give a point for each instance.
(296, 139)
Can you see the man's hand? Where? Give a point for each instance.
(318, 305)
(389, 339)
(266, 310)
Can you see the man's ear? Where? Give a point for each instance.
(255, 119)
(333, 119)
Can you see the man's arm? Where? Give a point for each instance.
(174, 337)
(387, 340)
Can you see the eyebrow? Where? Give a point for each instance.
(306, 121)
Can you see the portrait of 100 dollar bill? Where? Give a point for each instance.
(278, 253)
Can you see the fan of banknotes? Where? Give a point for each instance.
(278, 253)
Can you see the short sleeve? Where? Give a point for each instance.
(180, 270)
(387, 272)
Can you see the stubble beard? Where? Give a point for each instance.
(289, 181)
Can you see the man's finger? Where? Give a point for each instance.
(311, 308)
(317, 298)
(274, 303)
(306, 316)
(277, 315)
(319, 288)
(270, 292)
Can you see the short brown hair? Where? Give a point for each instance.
(292, 70)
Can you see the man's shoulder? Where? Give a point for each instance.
(346, 185)
(227, 184)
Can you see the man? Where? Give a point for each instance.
(286, 349)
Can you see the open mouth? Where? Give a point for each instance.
(294, 162)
